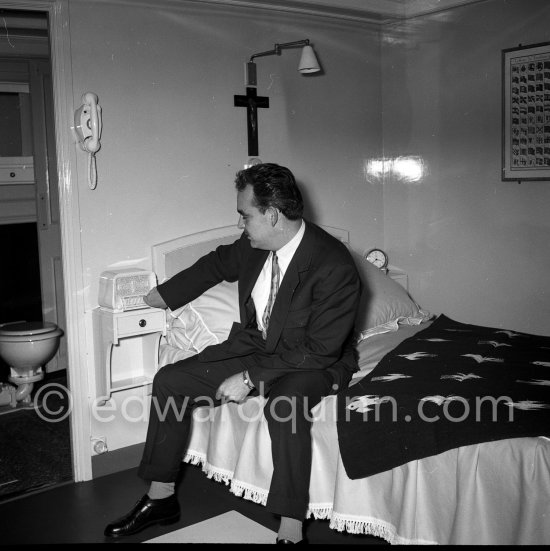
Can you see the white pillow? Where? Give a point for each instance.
(384, 301)
(372, 351)
(206, 320)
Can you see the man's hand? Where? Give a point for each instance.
(233, 389)
(154, 299)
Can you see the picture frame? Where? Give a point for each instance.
(526, 112)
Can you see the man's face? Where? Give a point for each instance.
(257, 226)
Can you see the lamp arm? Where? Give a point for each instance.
(277, 48)
(261, 54)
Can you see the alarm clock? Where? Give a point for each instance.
(377, 257)
(125, 289)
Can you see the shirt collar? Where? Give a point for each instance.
(286, 252)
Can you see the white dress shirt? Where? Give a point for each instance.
(262, 287)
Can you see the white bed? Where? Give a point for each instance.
(492, 493)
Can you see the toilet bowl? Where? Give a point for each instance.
(26, 347)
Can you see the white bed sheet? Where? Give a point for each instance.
(492, 493)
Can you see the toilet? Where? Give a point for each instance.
(27, 347)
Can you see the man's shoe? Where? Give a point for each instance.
(146, 512)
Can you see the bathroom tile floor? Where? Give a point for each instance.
(79, 512)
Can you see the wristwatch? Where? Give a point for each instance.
(247, 380)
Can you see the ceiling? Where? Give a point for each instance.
(32, 22)
(365, 10)
(398, 8)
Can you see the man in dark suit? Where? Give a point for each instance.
(298, 295)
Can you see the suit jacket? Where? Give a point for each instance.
(312, 320)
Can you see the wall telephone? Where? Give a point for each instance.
(87, 132)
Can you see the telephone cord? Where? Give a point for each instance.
(92, 170)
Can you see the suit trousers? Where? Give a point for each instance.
(179, 387)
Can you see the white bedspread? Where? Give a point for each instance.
(491, 493)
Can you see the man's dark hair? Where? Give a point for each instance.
(273, 186)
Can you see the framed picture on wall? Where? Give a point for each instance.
(526, 112)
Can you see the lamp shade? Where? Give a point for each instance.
(308, 61)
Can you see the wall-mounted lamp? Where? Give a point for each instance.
(308, 60)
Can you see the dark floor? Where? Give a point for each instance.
(35, 447)
(78, 512)
(34, 453)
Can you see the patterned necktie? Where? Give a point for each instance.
(275, 280)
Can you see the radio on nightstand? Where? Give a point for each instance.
(125, 289)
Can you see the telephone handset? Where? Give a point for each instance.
(87, 123)
(87, 131)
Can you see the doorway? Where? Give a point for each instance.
(30, 232)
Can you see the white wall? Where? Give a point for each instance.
(165, 74)
(166, 71)
(476, 248)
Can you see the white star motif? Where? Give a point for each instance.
(481, 359)
(361, 403)
(494, 343)
(535, 382)
(438, 399)
(461, 376)
(391, 377)
(510, 334)
(417, 355)
(528, 404)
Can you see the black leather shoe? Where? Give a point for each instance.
(146, 512)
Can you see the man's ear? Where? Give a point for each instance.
(274, 215)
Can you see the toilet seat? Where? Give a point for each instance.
(26, 328)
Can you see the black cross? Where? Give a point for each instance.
(251, 101)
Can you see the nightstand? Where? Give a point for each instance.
(126, 348)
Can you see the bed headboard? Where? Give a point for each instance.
(170, 257)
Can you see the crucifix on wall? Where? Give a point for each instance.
(252, 101)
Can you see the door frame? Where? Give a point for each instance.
(73, 280)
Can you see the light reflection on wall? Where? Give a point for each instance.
(408, 170)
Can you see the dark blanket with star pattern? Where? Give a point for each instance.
(448, 386)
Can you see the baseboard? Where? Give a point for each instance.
(117, 460)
